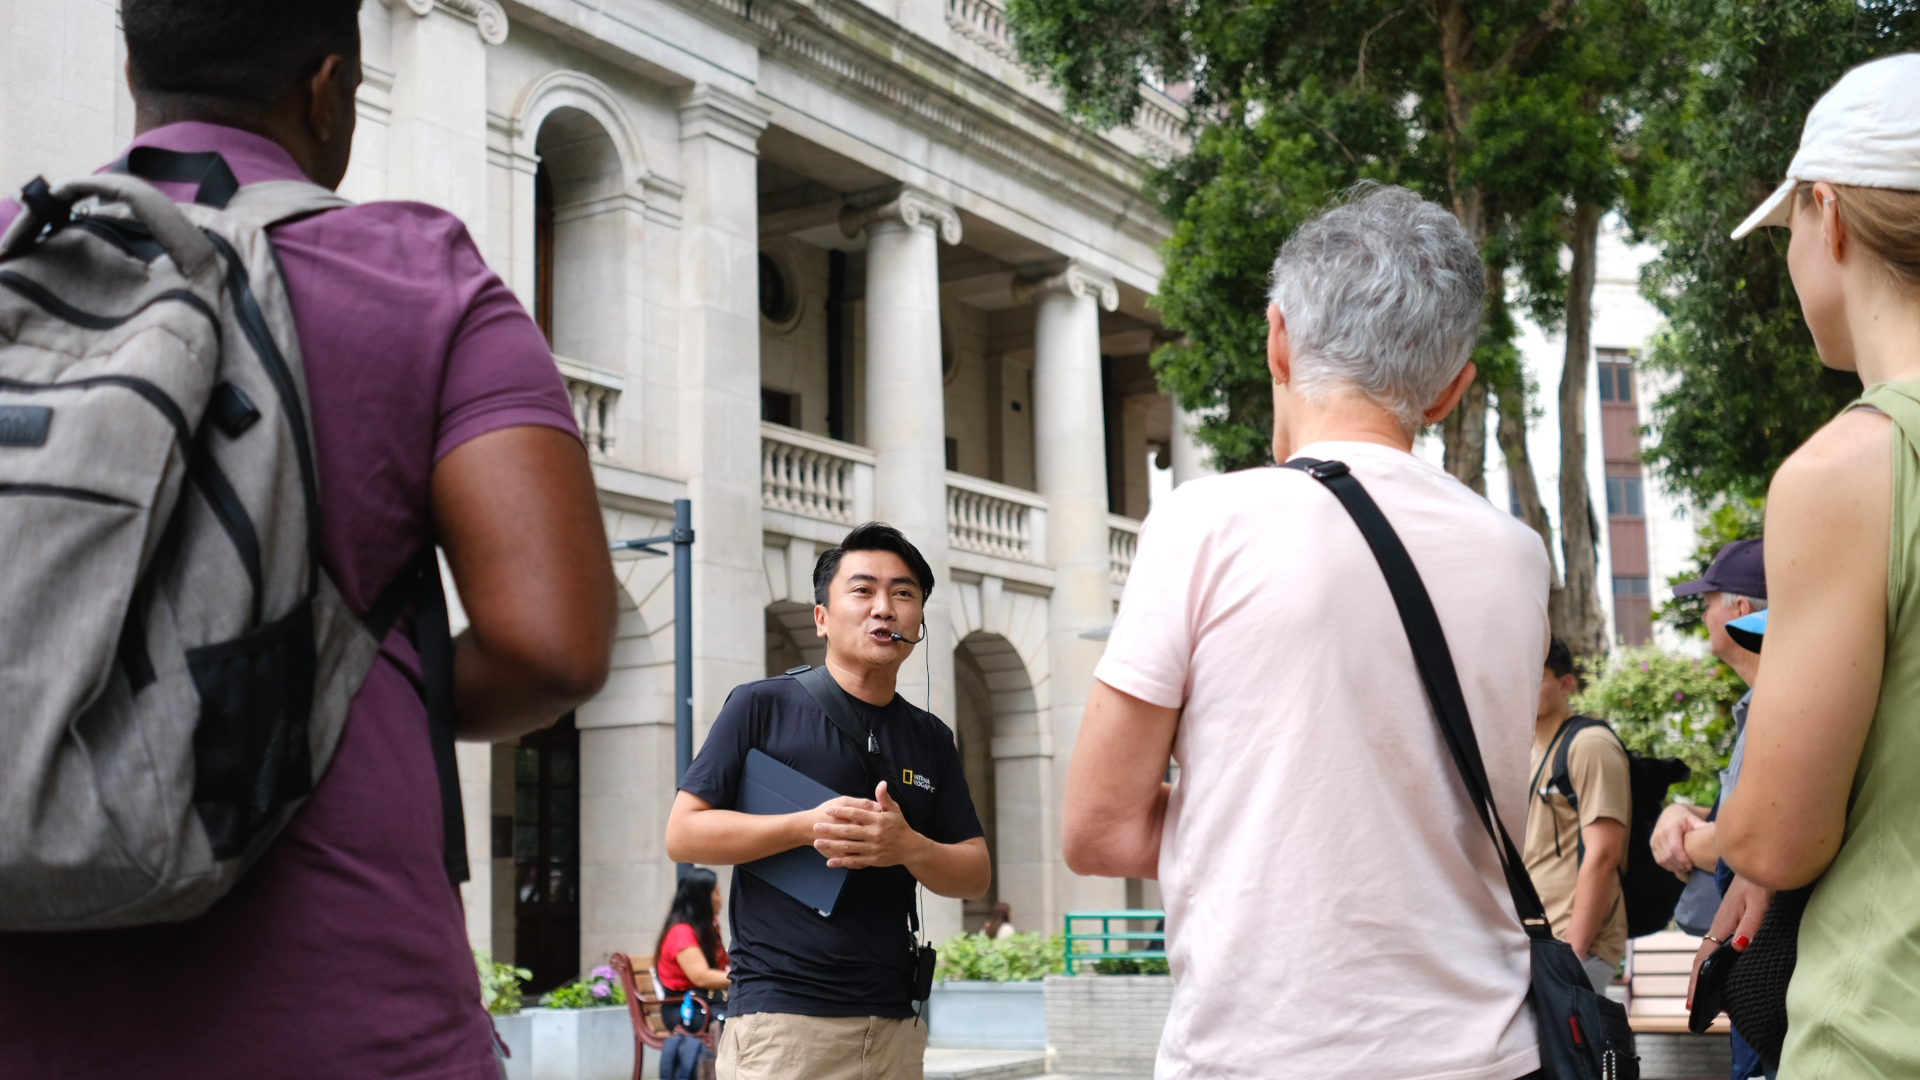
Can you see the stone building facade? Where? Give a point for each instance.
(805, 263)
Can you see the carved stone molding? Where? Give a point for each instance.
(486, 15)
(707, 110)
(1075, 279)
(908, 206)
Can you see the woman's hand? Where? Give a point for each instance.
(1736, 922)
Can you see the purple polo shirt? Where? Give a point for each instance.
(343, 953)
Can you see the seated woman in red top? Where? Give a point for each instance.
(689, 954)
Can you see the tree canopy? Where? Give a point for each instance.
(1746, 385)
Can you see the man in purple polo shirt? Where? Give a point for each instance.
(437, 413)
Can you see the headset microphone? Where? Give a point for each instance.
(908, 640)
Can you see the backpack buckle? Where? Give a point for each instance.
(1327, 470)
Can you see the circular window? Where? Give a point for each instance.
(778, 297)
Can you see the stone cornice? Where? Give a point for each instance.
(906, 205)
(488, 17)
(974, 109)
(1075, 279)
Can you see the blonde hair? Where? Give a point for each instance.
(1885, 221)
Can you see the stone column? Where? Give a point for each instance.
(1070, 469)
(906, 425)
(437, 142)
(719, 406)
(906, 407)
(1190, 459)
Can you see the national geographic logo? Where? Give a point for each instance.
(912, 779)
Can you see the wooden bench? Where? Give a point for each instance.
(1658, 966)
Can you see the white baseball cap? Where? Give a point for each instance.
(1864, 132)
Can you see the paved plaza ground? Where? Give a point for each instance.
(999, 1065)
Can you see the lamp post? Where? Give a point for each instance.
(682, 540)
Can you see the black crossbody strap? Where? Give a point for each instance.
(1435, 663)
(826, 693)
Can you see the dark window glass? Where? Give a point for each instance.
(776, 407)
(1606, 382)
(1625, 497)
(1623, 376)
(1629, 586)
(776, 294)
(1636, 507)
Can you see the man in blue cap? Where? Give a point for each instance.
(1735, 591)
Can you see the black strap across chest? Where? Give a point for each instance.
(827, 694)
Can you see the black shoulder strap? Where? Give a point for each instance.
(826, 693)
(1559, 778)
(419, 583)
(208, 172)
(1435, 663)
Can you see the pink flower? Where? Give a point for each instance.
(603, 972)
(601, 990)
(1644, 667)
(1679, 695)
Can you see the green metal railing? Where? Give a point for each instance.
(1108, 936)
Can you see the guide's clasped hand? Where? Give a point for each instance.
(865, 832)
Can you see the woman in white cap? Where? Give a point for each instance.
(1830, 788)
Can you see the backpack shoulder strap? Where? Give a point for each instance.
(272, 202)
(1559, 779)
(1434, 660)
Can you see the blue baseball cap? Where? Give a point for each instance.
(1740, 568)
(1747, 630)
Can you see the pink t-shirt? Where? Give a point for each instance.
(343, 953)
(1334, 908)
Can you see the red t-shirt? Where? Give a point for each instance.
(343, 953)
(679, 939)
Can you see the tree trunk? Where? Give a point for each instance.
(1510, 401)
(1578, 618)
(1464, 435)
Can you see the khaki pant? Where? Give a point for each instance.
(781, 1046)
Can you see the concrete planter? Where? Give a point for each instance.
(569, 1044)
(987, 1016)
(1107, 1024)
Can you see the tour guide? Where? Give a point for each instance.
(821, 998)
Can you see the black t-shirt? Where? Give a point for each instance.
(787, 957)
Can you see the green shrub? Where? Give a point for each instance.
(1019, 958)
(499, 984)
(1665, 705)
(597, 989)
(1152, 965)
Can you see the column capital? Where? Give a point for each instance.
(906, 205)
(1075, 279)
(707, 110)
(487, 16)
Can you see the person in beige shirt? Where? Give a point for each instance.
(1575, 847)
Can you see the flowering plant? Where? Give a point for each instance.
(1667, 705)
(597, 989)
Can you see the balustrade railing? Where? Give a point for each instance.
(994, 519)
(811, 476)
(1123, 536)
(594, 394)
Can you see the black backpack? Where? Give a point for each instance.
(1649, 891)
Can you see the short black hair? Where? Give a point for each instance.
(873, 536)
(248, 52)
(1560, 658)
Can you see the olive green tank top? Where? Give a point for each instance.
(1853, 1008)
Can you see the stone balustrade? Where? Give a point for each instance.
(815, 477)
(1123, 536)
(594, 394)
(995, 519)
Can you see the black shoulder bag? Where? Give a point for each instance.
(826, 693)
(1583, 1036)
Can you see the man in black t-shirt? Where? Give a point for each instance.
(820, 998)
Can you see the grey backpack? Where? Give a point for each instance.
(175, 665)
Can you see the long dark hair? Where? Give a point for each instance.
(693, 905)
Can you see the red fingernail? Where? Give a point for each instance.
(1740, 943)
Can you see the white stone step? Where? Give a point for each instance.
(984, 1064)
